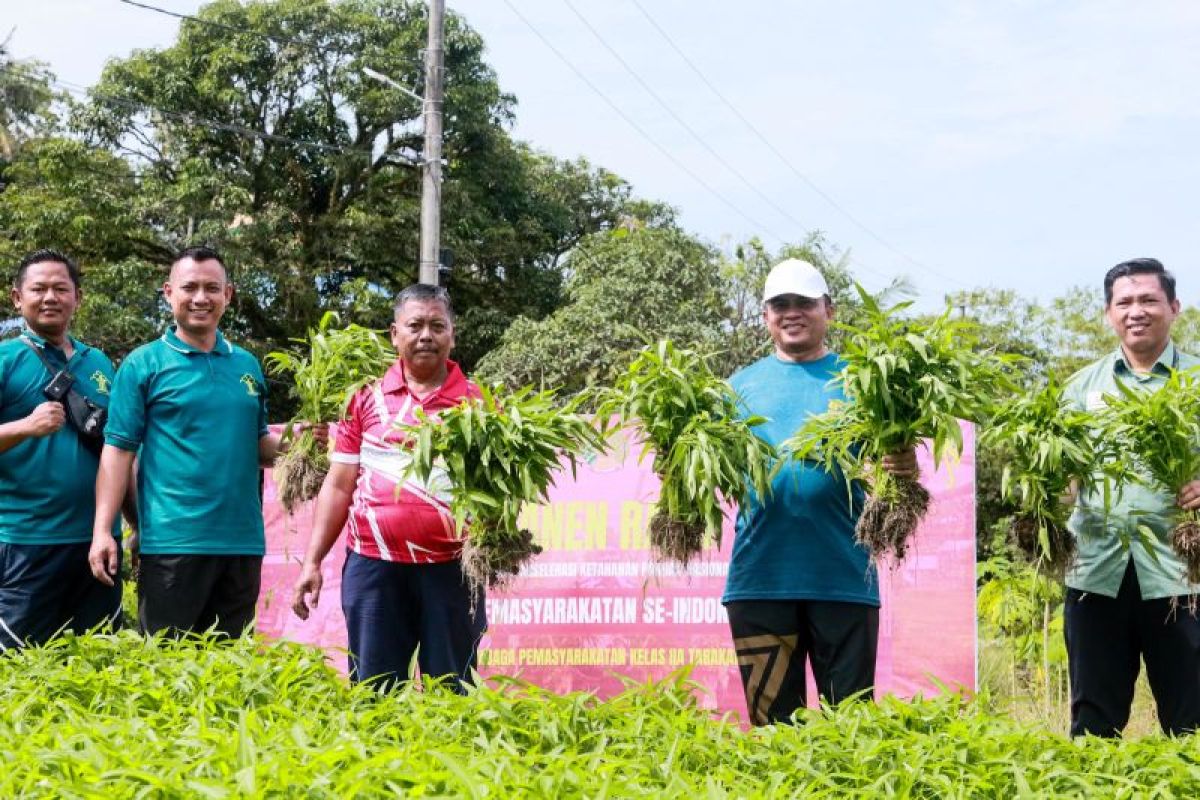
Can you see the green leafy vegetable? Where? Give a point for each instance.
(704, 447)
(499, 453)
(1161, 429)
(1052, 451)
(123, 716)
(338, 363)
(905, 380)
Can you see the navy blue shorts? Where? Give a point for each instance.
(49, 588)
(391, 608)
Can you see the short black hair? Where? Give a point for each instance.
(41, 257)
(1139, 266)
(200, 252)
(423, 293)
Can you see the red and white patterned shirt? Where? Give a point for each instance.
(413, 525)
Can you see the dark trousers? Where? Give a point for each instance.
(396, 610)
(48, 588)
(1106, 640)
(774, 638)
(197, 593)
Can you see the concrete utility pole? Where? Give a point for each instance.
(431, 187)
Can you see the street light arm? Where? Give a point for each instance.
(379, 76)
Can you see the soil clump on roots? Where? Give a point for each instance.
(1185, 541)
(675, 540)
(299, 474)
(887, 524)
(492, 558)
(1057, 559)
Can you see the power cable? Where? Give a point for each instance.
(638, 128)
(277, 39)
(699, 139)
(784, 159)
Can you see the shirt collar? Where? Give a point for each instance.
(80, 347)
(172, 340)
(1167, 360)
(394, 381)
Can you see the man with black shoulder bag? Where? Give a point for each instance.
(53, 401)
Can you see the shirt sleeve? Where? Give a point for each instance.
(127, 406)
(263, 426)
(4, 369)
(348, 440)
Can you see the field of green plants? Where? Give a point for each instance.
(122, 716)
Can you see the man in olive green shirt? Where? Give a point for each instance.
(1127, 597)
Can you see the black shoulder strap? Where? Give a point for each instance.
(40, 354)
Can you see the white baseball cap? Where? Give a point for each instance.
(794, 276)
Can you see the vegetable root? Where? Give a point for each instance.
(1185, 540)
(491, 558)
(1055, 553)
(675, 540)
(890, 519)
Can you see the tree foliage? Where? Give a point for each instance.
(258, 132)
(25, 101)
(624, 287)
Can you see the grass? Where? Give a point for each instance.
(122, 716)
(1015, 690)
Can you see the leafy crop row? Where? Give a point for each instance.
(123, 716)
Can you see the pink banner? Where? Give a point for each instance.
(594, 608)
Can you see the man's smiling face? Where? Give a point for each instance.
(1141, 315)
(798, 325)
(47, 298)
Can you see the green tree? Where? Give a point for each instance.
(625, 287)
(259, 132)
(25, 101)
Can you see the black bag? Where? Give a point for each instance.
(87, 418)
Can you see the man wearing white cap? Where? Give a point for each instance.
(800, 588)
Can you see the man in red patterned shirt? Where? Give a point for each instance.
(403, 584)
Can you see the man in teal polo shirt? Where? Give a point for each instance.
(193, 407)
(47, 473)
(1126, 602)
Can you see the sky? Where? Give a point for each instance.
(1013, 144)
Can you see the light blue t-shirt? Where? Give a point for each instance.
(799, 545)
(195, 419)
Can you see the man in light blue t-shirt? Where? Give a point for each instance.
(193, 408)
(800, 588)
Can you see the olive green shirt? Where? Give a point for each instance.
(1105, 545)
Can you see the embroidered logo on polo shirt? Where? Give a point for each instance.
(250, 384)
(102, 382)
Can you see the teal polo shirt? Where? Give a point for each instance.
(1102, 549)
(195, 419)
(48, 483)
